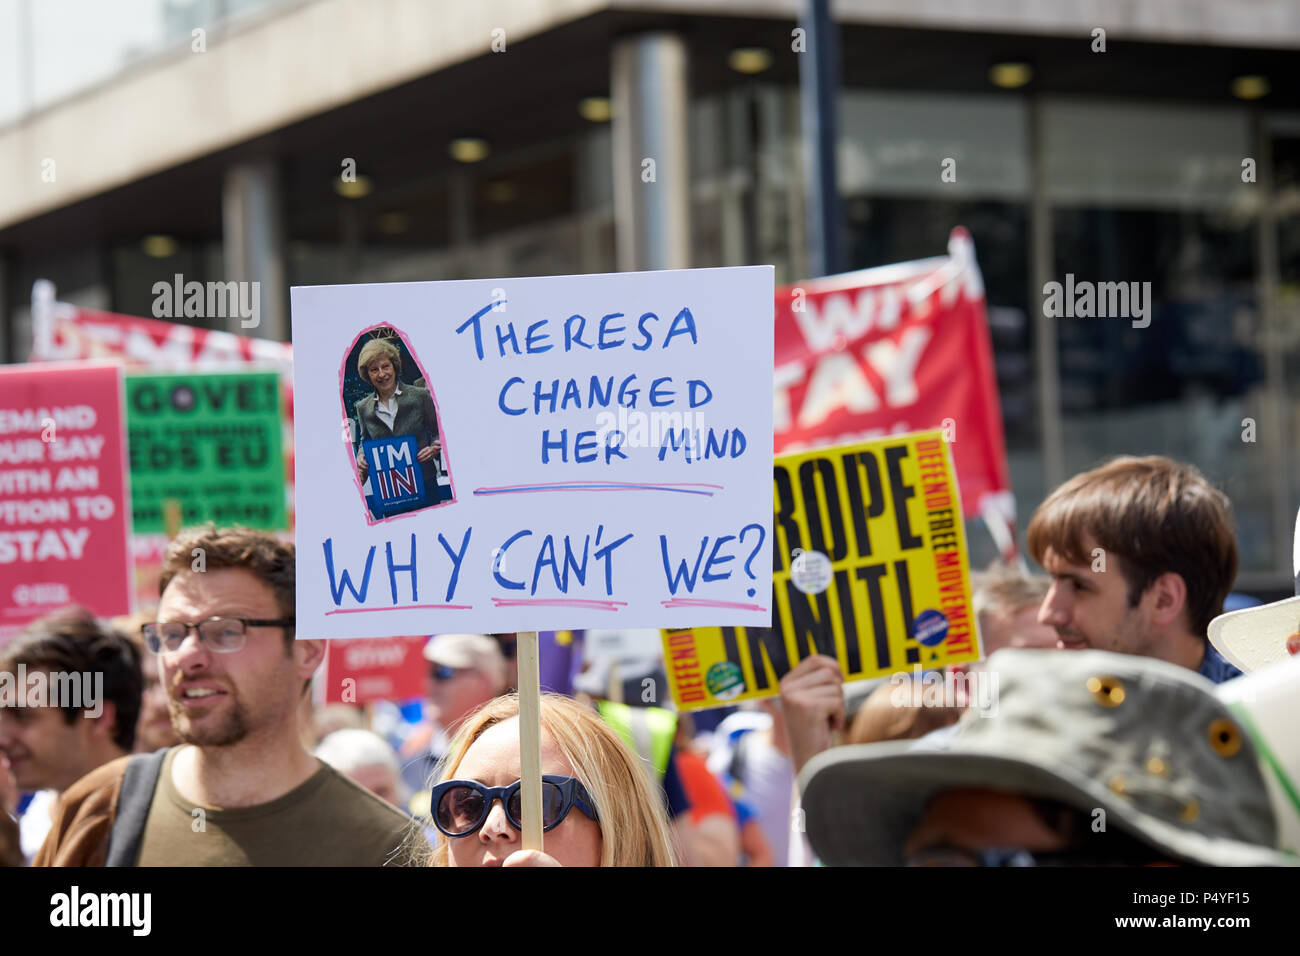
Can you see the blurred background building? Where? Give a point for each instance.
(144, 138)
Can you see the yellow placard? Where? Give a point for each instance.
(869, 567)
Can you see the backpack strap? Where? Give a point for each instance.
(133, 803)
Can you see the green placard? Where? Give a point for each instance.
(212, 442)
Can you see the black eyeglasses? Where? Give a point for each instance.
(460, 807)
(223, 635)
(442, 672)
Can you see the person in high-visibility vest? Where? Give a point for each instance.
(649, 731)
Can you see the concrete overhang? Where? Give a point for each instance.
(345, 77)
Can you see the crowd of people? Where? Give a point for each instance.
(205, 747)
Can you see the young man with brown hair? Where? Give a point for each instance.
(1142, 554)
(69, 698)
(241, 790)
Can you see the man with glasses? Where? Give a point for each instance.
(241, 789)
(465, 672)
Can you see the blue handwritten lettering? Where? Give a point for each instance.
(595, 396)
(687, 323)
(606, 554)
(394, 568)
(546, 556)
(549, 443)
(534, 346)
(678, 439)
(570, 561)
(656, 393)
(646, 337)
(571, 395)
(500, 561)
(569, 337)
(626, 394)
(337, 588)
(613, 444)
(604, 329)
(584, 448)
(478, 332)
(457, 558)
(684, 574)
(501, 401)
(714, 559)
(550, 397)
(508, 336)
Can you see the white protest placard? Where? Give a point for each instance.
(533, 454)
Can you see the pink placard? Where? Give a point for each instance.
(65, 508)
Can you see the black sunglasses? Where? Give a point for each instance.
(460, 807)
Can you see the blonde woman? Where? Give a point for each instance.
(394, 409)
(599, 805)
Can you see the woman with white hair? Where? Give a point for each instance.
(366, 759)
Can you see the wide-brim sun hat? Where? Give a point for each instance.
(1145, 741)
(1256, 637)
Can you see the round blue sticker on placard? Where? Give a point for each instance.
(930, 628)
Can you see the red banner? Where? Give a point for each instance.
(895, 349)
(66, 332)
(65, 517)
(379, 668)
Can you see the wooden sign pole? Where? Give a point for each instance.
(530, 739)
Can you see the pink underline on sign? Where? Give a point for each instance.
(560, 602)
(703, 602)
(684, 488)
(404, 607)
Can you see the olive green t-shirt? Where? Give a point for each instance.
(326, 821)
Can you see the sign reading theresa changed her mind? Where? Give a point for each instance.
(870, 568)
(591, 451)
